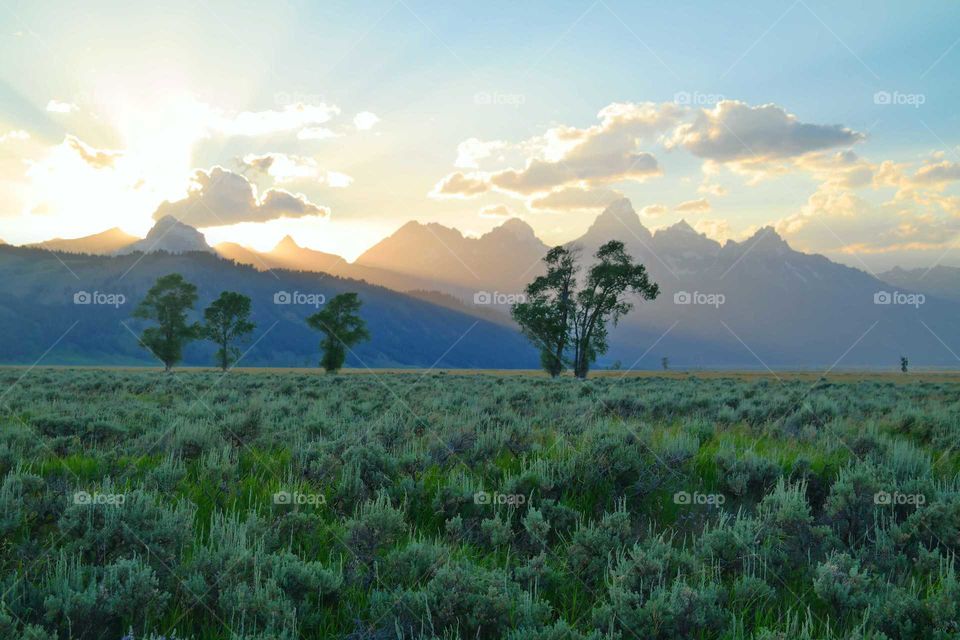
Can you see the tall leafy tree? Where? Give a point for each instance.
(603, 300)
(167, 303)
(545, 315)
(226, 322)
(342, 327)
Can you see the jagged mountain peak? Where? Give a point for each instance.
(512, 228)
(767, 238)
(286, 244)
(617, 221)
(170, 235)
(617, 212)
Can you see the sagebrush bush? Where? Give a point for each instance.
(392, 524)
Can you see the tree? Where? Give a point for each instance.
(342, 327)
(544, 316)
(904, 364)
(602, 300)
(558, 319)
(665, 362)
(226, 321)
(167, 303)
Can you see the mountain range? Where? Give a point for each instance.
(751, 304)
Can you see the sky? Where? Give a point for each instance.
(337, 122)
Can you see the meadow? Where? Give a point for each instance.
(284, 505)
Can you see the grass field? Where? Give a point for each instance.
(286, 504)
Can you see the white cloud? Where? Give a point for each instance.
(259, 123)
(472, 150)
(338, 180)
(220, 197)
(56, 106)
(712, 189)
(718, 230)
(16, 134)
(316, 133)
(365, 120)
(938, 173)
(495, 211)
(565, 157)
(284, 168)
(654, 210)
(96, 158)
(701, 205)
(460, 185)
(839, 221)
(77, 189)
(735, 131)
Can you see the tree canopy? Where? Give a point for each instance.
(226, 322)
(167, 303)
(342, 327)
(570, 325)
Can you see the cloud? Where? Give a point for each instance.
(316, 133)
(565, 156)
(258, 123)
(734, 131)
(575, 198)
(654, 210)
(338, 180)
(694, 206)
(472, 150)
(220, 197)
(847, 223)
(937, 174)
(716, 229)
(96, 158)
(712, 189)
(365, 120)
(284, 168)
(839, 169)
(495, 211)
(55, 106)
(16, 134)
(460, 185)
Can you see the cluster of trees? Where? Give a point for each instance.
(226, 322)
(567, 318)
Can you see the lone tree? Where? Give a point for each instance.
(226, 322)
(544, 316)
(665, 362)
(904, 364)
(342, 327)
(603, 300)
(558, 319)
(167, 303)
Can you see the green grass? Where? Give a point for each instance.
(399, 459)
